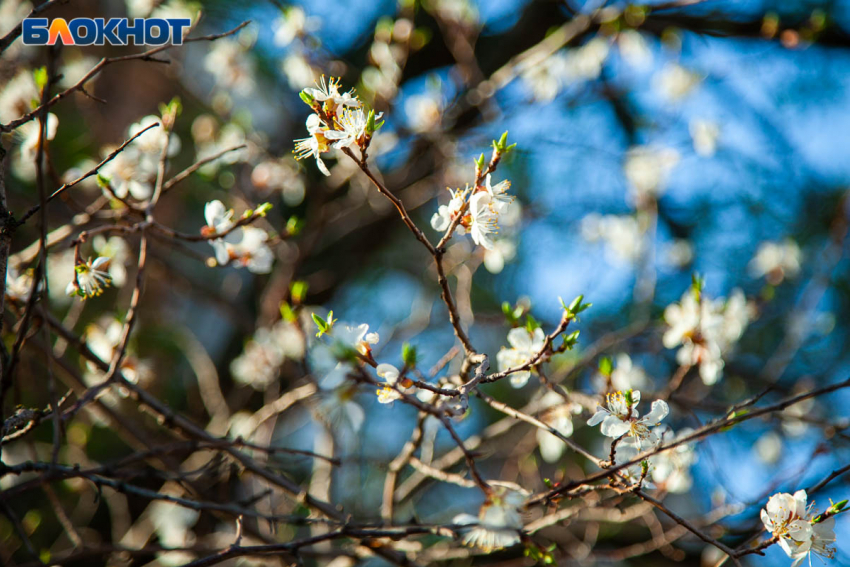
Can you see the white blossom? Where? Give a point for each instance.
(706, 329)
(129, 174)
(328, 94)
(115, 248)
(499, 198)
(785, 516)
(315, 144)
(353, 128)
(446, 213)
(639, 472)
(92, 277)
(483, 220)
(621, 417)
(819, 543)
(387, 394)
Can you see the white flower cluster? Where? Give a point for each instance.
(132, 172)
(669, 469)
(621, 233)
(478, 209)
(800, 532)
(341, 122)
(241, 246)
(549, 77)
(707, 330)
(260, 361)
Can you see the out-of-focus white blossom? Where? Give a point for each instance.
(504, 250)
(18, 97)
(498, 522)
(625, 376)
(557, 413)
(680, 253)
(173, 524)
(646, 170)
(671, 469)
(622, 234)
(30, 134)
(244, 246)
(776, 261)
(768, 448)
(704, 134)
(299, 73)
(525, 345)
(260, 362)
(674, 82)
(634, 49)
(424, 112)
(293, 24)
(231, 65)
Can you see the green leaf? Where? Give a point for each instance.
(306, 98)
(479, 163)
(531, 323)
(409, 355)
(263, 209)
(571, 339)
(40, 76)
(605, 366)
(320, 323)
(286, 312)
(294, 226)
(298, 291)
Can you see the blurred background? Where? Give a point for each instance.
(654, 141)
